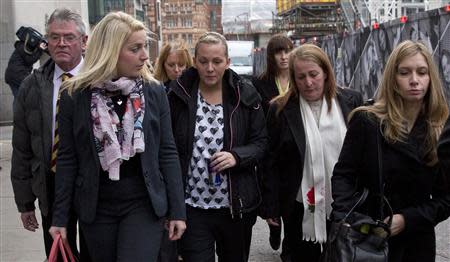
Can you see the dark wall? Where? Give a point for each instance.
(358, 59)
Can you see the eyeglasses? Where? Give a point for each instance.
(68, 39)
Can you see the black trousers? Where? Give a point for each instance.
(285, 251)
(205, 229)
(81, 254)
(249, 220)
(168, 251)
(300, 250)
(71, 234)
(124, 232)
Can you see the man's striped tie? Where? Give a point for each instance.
(55, 146)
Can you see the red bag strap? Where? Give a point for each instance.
(53, 257)
(69, 255)
(58, 246)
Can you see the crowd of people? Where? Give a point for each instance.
(177, 164)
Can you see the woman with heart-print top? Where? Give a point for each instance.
(219, 130)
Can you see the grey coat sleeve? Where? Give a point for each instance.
(22, 155)
(169, 163)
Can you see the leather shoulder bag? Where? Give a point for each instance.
(358, 237)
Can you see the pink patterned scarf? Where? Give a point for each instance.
(117, 140)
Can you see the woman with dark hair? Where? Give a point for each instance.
(306, 127)
(274, 80)
(405, 122)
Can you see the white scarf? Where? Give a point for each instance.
(323, 146)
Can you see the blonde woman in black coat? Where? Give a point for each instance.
(407, 119)
(306, 129)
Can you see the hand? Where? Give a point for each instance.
(54, 231)
(222, 160)
(398, 224)
(29, 221)
(176, 229)
(273, 222)
(43, 45)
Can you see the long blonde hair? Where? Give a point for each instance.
(313, 53)
(389, 107)
(182, 52)
(104, 46)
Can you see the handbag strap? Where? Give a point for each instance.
(380, 172)
(360, 201)
(382, 197)
(59, 246)
(365, 192)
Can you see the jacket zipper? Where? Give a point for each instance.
(231, 146)
(185, 179)
(183, 88)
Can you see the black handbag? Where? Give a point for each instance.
(358, 237)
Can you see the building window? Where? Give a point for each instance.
(189, 39)
(171, 23)
(186, 22)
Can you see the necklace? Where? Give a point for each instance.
(119, 101)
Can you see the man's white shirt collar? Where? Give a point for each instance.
(74, 71)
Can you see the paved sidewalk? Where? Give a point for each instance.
(20, 245)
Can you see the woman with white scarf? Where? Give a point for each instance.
(117, 162)
(307, 126)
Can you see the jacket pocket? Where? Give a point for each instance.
(38, 180)
(35, 167)
(249, 191)
(158, 193)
